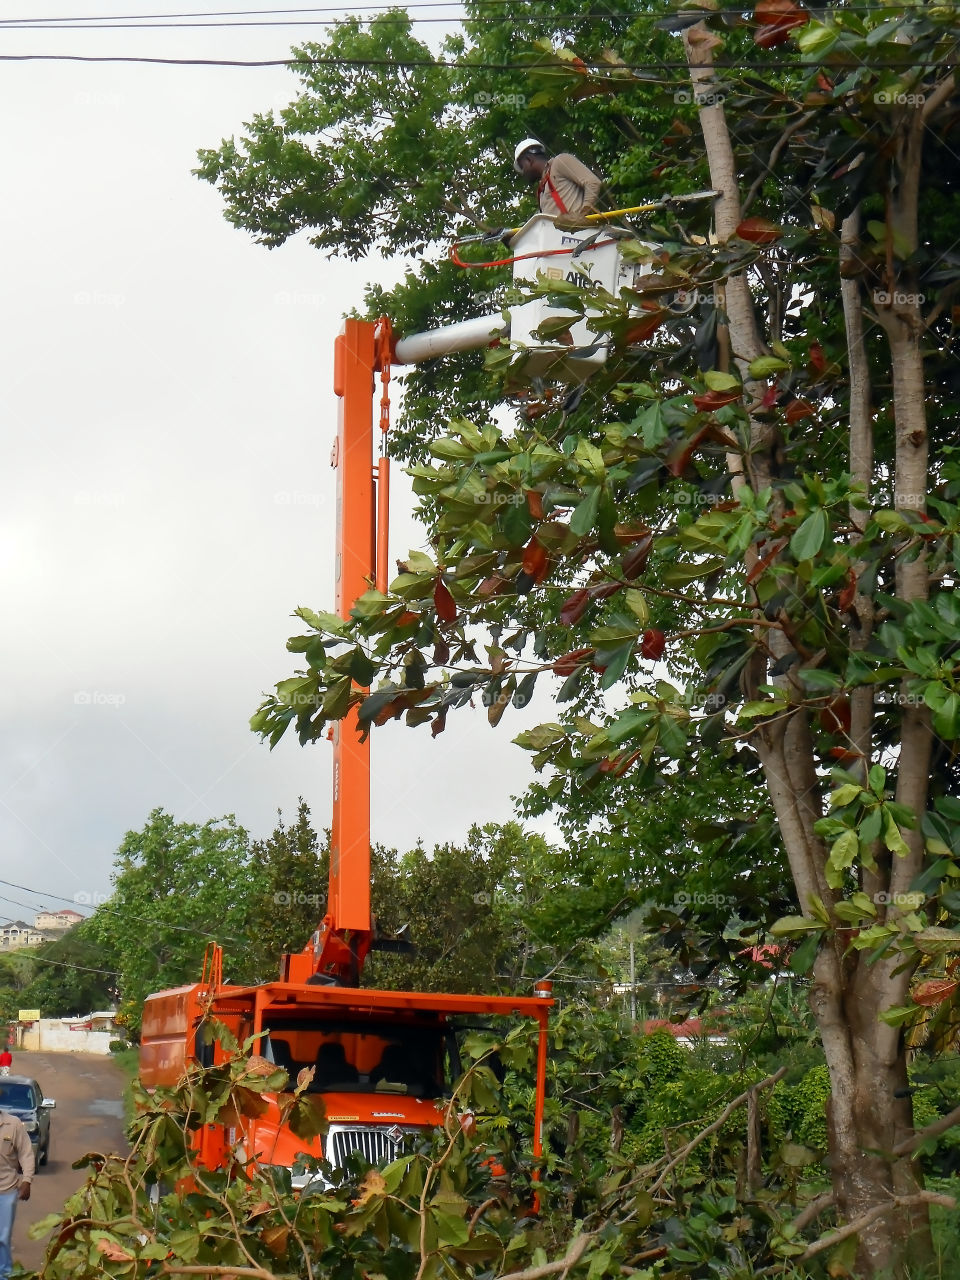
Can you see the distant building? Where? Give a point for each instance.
(56, 920)
(18, 934)
(688, 1031)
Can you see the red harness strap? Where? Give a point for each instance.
(545, 181)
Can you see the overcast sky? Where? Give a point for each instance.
(167, 498)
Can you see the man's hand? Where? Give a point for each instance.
(24, 1190)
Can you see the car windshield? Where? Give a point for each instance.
(16, 1095)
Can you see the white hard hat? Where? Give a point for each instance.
(526, 145)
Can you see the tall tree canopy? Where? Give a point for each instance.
(758, 499)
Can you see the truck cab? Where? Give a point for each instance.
(384, 1062)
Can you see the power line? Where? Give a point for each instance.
(383, 17)
(116, 911)
(560, 20)
(65, 964)
(650, 69)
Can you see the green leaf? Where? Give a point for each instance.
(892, 837)
(789, 926)
(717, 381)
(816, 41)
(766, 366)
(584, 517)
(590, 459)
(811, 535)
(841, 857)
(843, 795)
(946, 720)
(636, 602)
(329, 622)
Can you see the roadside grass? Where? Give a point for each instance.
(128, 1060)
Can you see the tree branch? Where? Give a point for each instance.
(857, 1225)
(775, 155)
(932, 1130)
(578, 1247)
(717, 1124)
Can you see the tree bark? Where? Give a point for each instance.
(874, 1188)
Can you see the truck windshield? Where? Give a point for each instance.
(16, 1095)
(358, 1057)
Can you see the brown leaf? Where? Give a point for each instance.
(627, 534)
(491, 586)
(759, 231)
(643, 329)
(775, 11)
(535, 562)
(535, 504)
(569, 662)
(260, 1066)
(797, 410)
(373, 1184)
(497, 707)
(113, 1251)
(275, 1238)
(711, 400)
(678, 459)
(574, 607)
(848, 594)
(444, 602)
(635, 561)
(439, 723)
(768, 37)
(766, 560)
(935, 990)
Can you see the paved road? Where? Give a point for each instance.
(88, 1117)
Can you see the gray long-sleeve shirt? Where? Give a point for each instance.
(575, 184)
(16, 1153)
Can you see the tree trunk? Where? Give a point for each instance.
(870, 1112)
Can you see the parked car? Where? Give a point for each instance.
(23, 1098)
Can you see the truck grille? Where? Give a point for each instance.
(378, 1145)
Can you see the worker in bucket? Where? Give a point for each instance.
(566, 189)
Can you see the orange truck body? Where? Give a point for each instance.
(382, 1060)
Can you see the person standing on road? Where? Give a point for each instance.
(6, 1061)
(566, 188)
(16, 1175)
